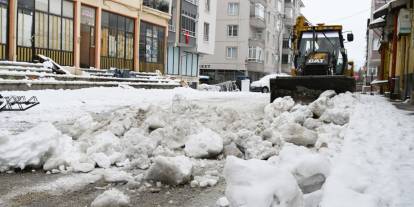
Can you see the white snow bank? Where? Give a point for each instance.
(111, 198)
(171, 170)
(206, 144)
(256, 183)
(375, 167)
(34, 147)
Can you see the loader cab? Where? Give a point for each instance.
(321, 52)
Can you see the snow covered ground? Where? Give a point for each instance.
(124, 146)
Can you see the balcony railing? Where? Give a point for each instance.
(160, 5)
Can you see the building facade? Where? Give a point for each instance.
(101, 34)
(292, 11)
(191, 35)
(395, 21)
(248, 40)
(373, 43)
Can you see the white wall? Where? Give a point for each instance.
(209, 17)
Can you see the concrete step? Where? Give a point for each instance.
(21, 64)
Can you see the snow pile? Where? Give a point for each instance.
(278, 106)
(171, 170)
(256, 183)
(34, 147)
(204, 181)
(205, 144)
(111, 198)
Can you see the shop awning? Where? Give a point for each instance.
(394, 4)
(377, 23)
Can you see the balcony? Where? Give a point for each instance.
(257, 22)
(257, 40)
(160, 5)
(255, 65)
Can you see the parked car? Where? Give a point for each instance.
(263, 85)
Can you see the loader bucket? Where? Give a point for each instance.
(308, 88)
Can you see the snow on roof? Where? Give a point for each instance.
(380, 22)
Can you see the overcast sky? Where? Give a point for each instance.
(352, 14)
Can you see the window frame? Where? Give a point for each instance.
(232, 52)
(233, 9)
(232, 30)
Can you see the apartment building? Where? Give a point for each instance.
(191, 35)
(373, 43)
(125, 34)
(292, 11)
(248, 40)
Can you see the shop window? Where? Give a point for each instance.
(151, 43)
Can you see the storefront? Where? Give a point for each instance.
(45, 27)
(117, 49)
(152, 47)
(3, 28)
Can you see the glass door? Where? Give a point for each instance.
(3, 28)
(87, 44)
(25, 30)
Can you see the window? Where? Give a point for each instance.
(259, 11)
(232, 30)
(233, 9)
(231, 52)
(206, 31)
(279, 6)
(3, 25)
(207, 5)
(188, 23)
(151, 43)
(286, 44)
(285, 59)
(161, 5)
(255, 54)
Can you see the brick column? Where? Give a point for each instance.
(77, 32)
(136, 43)
(12, 41)
(98, 34)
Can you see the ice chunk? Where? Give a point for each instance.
(336, 115)
(155, 120)
(300, 113)
(101, 160)
(256, 183)
(117, 176)
(111, 198)
(83, 167)
(313, 199)
(206, 144)
(296, 134)
(171, 170)
(204, 181)
(311, 172)
(319, 106)
(328, 94)
(259, 149)
(232, 150)
(222, 202)
(312, 124)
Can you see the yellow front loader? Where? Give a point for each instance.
(320, 60)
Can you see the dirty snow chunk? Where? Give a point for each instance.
(101, 160)
(328, 94)
(278, 106)
(256, 183)
(83, 167)
(222, 202)
(204, 181)
(111, 198)
(170, 170)
(33, 147)
(312, 124)
(296, 134)
(232, 150)
(300, 113)
(205, 144)
(205, 87)
(311, 172)
(319, 106)
(259, 149)
(117, 176)
(336, 115)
